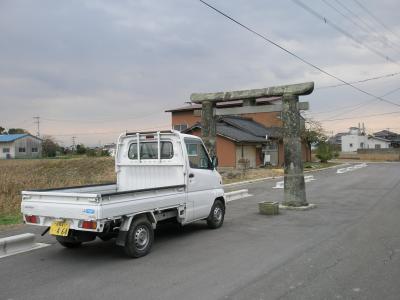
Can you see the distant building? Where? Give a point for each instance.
(110, 148)
(356, 139)
(337, 139)
(393, 137)
(20, 146)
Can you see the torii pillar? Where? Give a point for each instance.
(294, 186)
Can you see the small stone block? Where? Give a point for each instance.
(308, 207)
(268, 208)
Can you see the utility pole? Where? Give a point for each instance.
(73, 143)
(37, 122)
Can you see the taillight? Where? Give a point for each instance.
(87, 224)
(32, 219)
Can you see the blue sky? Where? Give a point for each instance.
(96, 68)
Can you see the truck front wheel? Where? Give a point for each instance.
(140, 238)
(217, 214)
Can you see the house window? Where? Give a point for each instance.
(180, 127)
(34, 150)
(362, 145)
(351, 145)
(21, 149)
(377, 146)
(6, 150)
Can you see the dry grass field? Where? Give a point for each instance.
(18, 175)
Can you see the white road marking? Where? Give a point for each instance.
(236, 195)
(351, 168)
(280, 184)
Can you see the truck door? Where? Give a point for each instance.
(201, 178)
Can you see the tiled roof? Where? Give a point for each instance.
(242, 129)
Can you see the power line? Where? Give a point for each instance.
(366, 24)
(293, 54)
(363, 116)
(362, 104)
(359, 81)
(344, 32)
(375, 18)
(384, 41)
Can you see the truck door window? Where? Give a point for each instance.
(148, 150)
(198, 158)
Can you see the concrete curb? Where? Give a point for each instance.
(279, 177)
(236, 195)
(18, 243)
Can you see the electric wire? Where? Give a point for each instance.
(293, 54)
(382, 40)
(359, 81)
(363, 116)
(366, 24)
(362, 104)
(344, 32)
(377, 20)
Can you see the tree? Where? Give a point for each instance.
(17, 130)
(49, 146)
(313, 133)
(80, 149)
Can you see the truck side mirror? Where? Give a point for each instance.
(214, 161)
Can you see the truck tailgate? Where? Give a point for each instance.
(60, 204)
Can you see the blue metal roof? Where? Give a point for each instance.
(6, 138)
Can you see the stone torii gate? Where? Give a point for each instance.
(294, 186)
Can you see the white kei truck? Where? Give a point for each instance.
(161, 176)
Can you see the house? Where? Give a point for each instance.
(336, 140)
(393, 137)
(356, 139)
(378, 143)
(110, 148)
(254, 139)
(20, 146)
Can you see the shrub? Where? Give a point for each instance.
(324, 152)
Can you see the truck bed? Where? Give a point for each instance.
(97, 202)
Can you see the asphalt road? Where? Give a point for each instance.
(346, 248)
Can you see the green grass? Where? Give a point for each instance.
(10, 219)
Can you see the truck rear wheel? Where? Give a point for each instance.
(67, 242)
(140, 238)
(217, 215)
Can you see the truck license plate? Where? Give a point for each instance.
(59, 228)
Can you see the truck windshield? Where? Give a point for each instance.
(148, 150)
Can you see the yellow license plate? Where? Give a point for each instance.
(59, 228)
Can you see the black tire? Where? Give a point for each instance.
(217, 215)
(140, 238)
(67, 242)
(105, 238)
